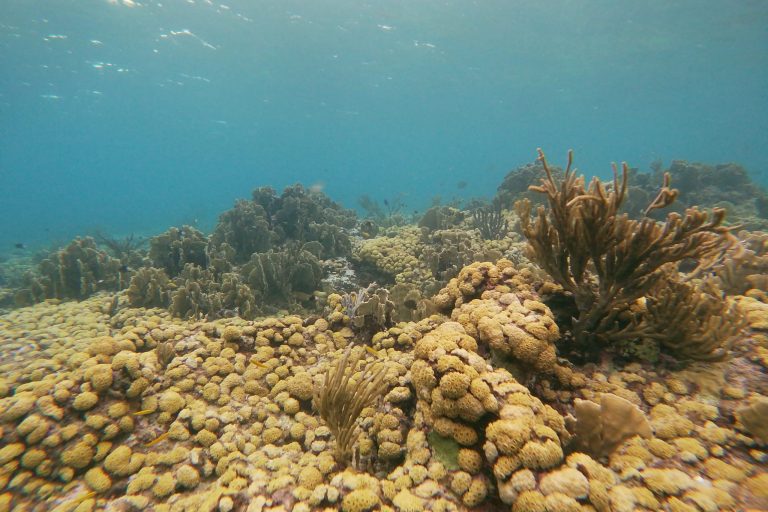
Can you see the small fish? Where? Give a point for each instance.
(20, 245)
(158, 439)
(144, 412)
(260, 364)
(85, 496)
(124, 268)
(371, 351)
(461, 185)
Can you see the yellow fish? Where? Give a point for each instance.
(158, 439)
(85, 496)
(371, 351)
(144, 412)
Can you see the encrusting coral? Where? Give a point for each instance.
(607, 261)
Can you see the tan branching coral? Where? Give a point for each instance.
(605, 259)
(693, 321)
(598, 429)
(747, 264)
(344, 394)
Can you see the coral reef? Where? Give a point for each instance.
(426, 261)
(277, 376)
(142, 410)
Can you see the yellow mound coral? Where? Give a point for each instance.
(360, 500)
(187, 476)
(84, 401)
(98, 480)
(123, 462)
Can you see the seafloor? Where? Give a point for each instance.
(483, 401)
(85, 401)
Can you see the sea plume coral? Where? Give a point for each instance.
(344, 394)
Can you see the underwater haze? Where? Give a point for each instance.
(132, 116)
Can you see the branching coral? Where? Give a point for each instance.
(149, 287)
(344, 394)
(693, 321)
(490, 221)
(605, 259)
(74, 272)
(177, 247)
(276, 277)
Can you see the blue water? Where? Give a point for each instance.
(132, 118)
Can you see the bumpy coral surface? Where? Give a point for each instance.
(132, 409)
